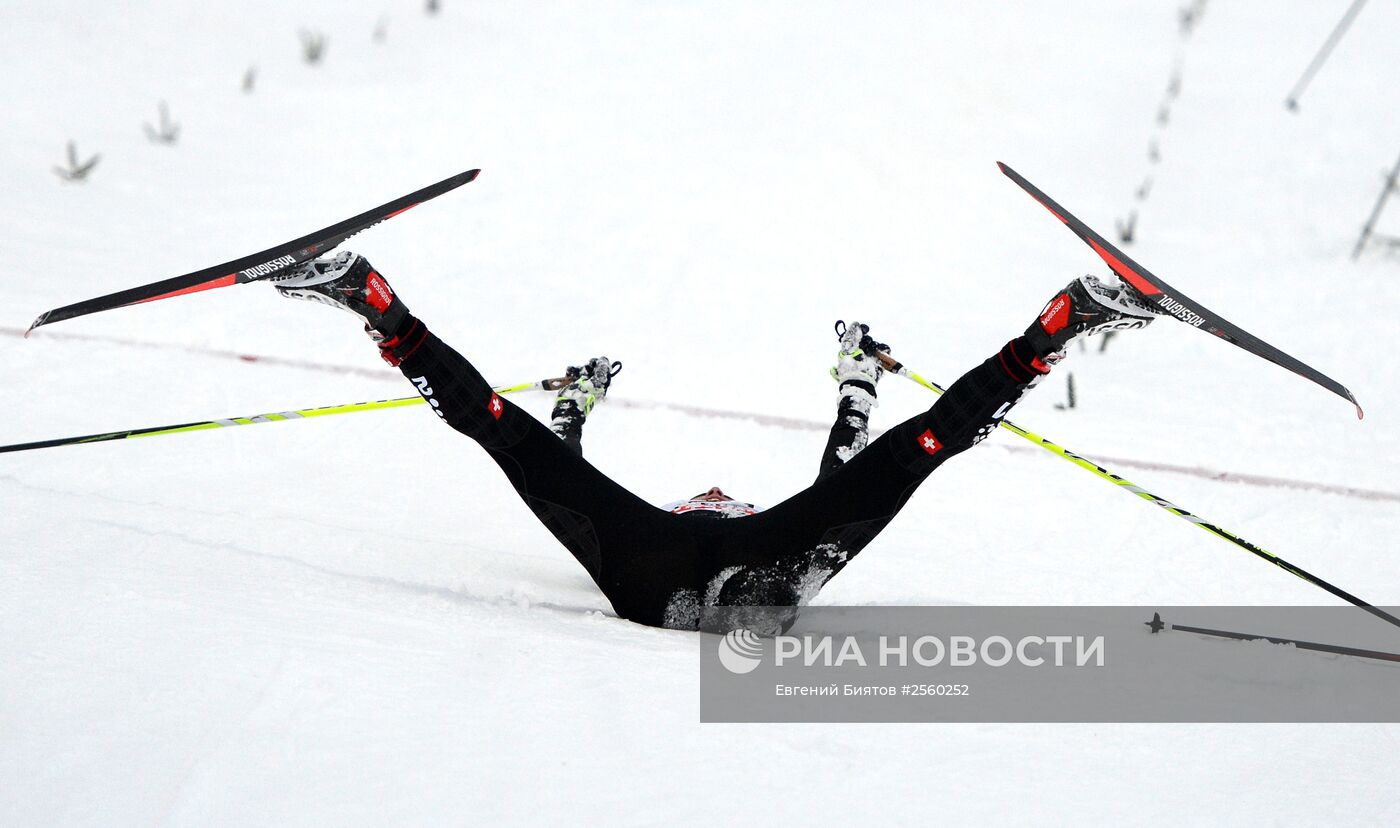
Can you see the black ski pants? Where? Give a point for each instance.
(667, 570)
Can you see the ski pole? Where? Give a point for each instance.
(895, 367)
(1157, 625)
(552, 384)
(1291, 102)
(1369, 227)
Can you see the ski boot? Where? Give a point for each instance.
(1085, 307)
(346, 281)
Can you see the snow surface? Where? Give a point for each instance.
(354, 620)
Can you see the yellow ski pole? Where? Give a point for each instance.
(895, 367)
(552, 384)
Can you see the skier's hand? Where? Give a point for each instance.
(858, 359)
(590, 383)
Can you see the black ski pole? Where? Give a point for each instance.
(1376, 211)
(1321, 57)
(1157, 625)
(895, 367)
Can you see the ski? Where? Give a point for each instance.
(1174, 303)
(258, 265)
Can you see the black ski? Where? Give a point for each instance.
(259, 265)
(1171, 301)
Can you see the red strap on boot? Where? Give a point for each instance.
(398, 348)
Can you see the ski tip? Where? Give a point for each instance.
(1002, 167)
(471, 176)
(1351, 398)
(43, 317)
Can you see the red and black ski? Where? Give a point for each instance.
(1172, 302)
(259, 265)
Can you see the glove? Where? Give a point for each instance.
(591, 383)
(856, 362)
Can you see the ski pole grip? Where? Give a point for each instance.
(889, 363)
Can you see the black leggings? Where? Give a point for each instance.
(665, 570)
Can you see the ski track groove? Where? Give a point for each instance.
(440, 592)
(359, 532)
(448, 594)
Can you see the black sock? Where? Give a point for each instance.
(1020, 361)
(406, 338)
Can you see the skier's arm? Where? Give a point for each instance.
(857, 373)
(851, 432)
(566, 421)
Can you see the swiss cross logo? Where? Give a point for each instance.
(929, 443)
(495, 407)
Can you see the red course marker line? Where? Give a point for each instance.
(302, 364)
(768, 420)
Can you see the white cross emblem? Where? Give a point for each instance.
(930, 444)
